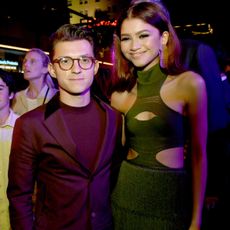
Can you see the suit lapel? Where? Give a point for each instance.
(110, 127)
(54, 122)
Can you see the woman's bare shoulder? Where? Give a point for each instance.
(122, 101)
(190, 79)
(191, 83)
(118, 99)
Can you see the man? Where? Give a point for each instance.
(7, 121)
(68, 146)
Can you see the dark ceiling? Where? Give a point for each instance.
(38, 14)
(216, 13)
(44, 16)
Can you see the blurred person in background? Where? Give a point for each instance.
(200, 57)
(224, 198)
(225, 78)
(41, 87)
(7, 121)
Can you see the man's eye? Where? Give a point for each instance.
(64, 60)
(85, 60)
(144, 36)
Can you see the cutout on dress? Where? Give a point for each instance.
(132, 154)
(145, 116)
(171, 158)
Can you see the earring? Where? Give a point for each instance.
(163, 53)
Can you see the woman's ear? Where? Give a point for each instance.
(164, 38)
(164, 49)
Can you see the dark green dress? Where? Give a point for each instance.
(149, 195)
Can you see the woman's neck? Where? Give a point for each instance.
(35, 88)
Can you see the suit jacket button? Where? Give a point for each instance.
(93, 214)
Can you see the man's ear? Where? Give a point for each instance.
(96, 67)
(11, 96)
(51, 70)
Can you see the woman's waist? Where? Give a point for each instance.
(153, 145)
(172, 157)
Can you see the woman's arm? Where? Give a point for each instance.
(197, 113)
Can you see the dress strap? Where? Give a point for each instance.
(44, 100)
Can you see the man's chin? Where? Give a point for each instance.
(79, 93)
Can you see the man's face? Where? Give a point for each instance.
(75, 80)
(4, 95)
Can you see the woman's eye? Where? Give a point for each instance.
(124, 38)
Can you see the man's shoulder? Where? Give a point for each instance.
(105, 105)
(34, 113)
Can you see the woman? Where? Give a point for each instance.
(41, 87)
(161, 184)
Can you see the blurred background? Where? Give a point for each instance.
(29, 23)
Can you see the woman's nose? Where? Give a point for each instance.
(135, 44)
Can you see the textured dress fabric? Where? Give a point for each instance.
(149, 195)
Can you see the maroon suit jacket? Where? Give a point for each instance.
(69, 195)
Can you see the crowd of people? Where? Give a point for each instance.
(145, 146)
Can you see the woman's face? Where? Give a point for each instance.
(140, 43)
(33, 66)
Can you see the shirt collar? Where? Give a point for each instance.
(10, 121)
